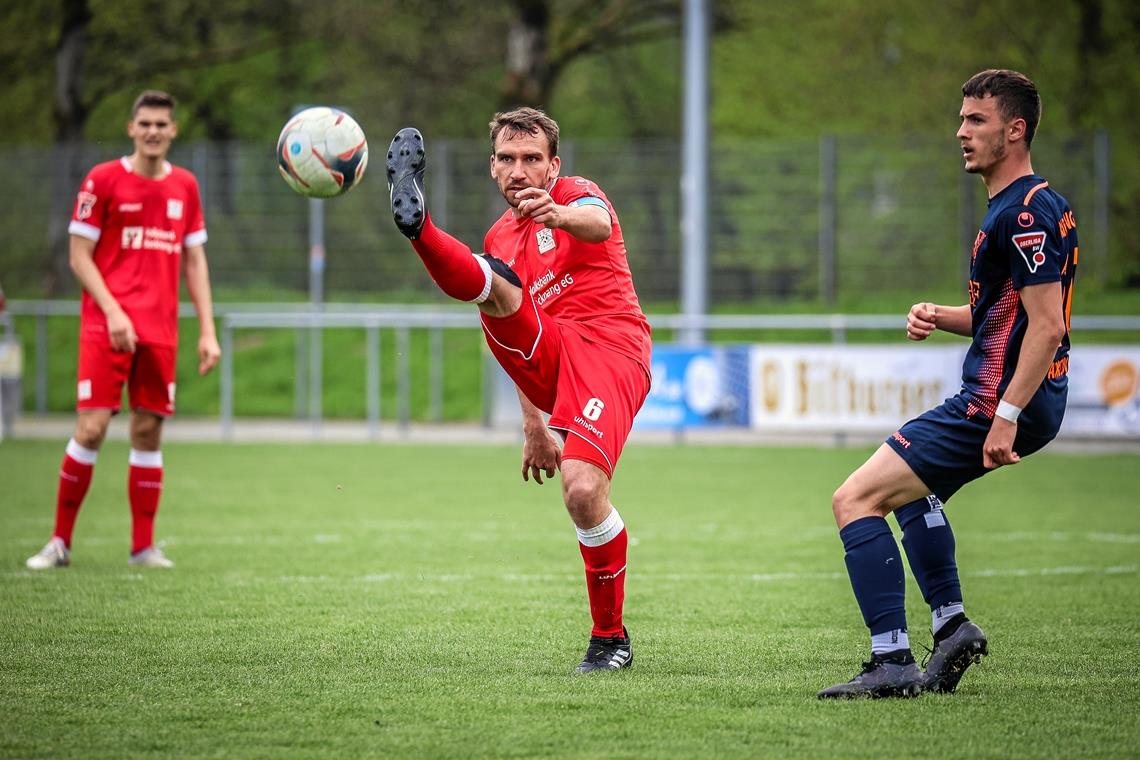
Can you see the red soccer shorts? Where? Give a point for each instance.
(148, 373)
(590, 391)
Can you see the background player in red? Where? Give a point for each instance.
(560, 314)
(1012, 401)
(137, 223)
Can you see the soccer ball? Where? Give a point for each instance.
(322, 152)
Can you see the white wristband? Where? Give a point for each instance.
(1007, 411)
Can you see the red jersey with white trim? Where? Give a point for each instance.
(585, 285)
(140, 227)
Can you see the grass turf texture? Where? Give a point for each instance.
(337, 601)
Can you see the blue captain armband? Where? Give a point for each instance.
(589, 200)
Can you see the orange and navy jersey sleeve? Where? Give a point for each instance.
(1030, 234)
(91, 204)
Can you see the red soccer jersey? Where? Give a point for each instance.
(140, 227)
(585, 284)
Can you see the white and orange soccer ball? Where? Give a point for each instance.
(322, 152)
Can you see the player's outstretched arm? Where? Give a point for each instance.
(925, 317)
(541, 452)
(198, 283)
(1042, 337)
(590, 224)
(81, 256)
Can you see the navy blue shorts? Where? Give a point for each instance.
(944, 446)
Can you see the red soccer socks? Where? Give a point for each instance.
(74, 480)
(456, 270)
(144, 486)
(604, 549)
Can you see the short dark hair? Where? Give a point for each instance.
(1015, 93)
(529, 121)
(153, 99)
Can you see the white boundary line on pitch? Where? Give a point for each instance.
(1098, 537)
(448, 578)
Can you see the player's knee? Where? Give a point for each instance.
(146, 431)
(843, 505)
(90, 430)
(585, 492)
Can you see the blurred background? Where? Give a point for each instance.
(835, 181)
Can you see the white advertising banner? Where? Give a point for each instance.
(1104, 392)
(866, 389)
(874, 389)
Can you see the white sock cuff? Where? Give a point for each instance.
(940, 616)
(145, 458)
(490, 277)
(890, 641)
(81, 454)
(603, 532)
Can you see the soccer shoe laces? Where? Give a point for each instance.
(929, 651)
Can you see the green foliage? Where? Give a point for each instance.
(421, 601)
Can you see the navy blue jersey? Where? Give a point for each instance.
(1028, 237)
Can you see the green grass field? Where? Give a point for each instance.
(421, 601)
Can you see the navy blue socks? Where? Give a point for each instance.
(929, 544)
(874, 565)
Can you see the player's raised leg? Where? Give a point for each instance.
(874, 566)
(603, 541)
(452, 265)
(929, 544)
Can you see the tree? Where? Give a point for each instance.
(544, 37)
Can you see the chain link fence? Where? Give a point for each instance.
(809, 219)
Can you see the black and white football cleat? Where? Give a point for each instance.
(607, 653)
(407, 159)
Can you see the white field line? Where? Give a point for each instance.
(35, 541)
(1013, 572)
(779, 577)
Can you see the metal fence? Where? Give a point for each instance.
(309, 326)
(826, 218)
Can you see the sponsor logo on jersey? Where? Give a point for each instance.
(1031, 246)
(588, 427)
(545, 238)
(132, 238)
(1025, 219)
(173, 208)
(127, 208)
(85, 204)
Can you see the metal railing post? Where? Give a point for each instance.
(226, 384)
(435, 374)
(42, 352)
(372, 379)
(403, 379)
